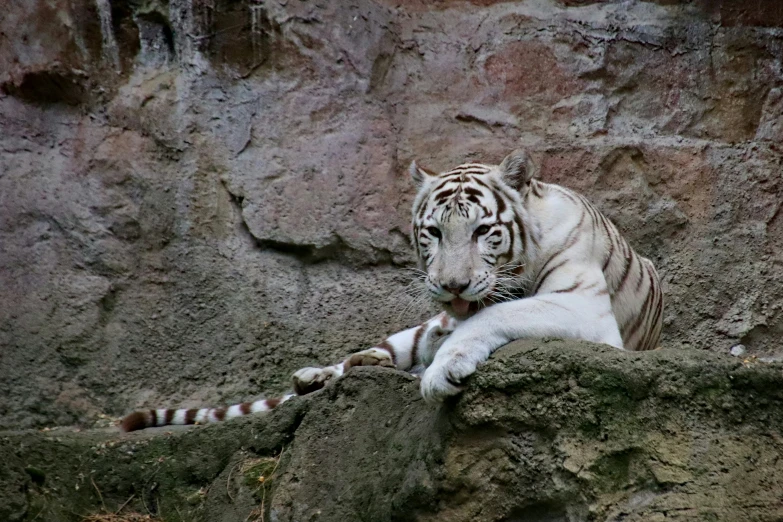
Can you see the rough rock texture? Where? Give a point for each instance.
(198, 197)
(547, 431)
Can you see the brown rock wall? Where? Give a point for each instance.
(199, 197)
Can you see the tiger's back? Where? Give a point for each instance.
(632, 281)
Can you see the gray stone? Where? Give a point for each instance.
(251, 157)
(546, 430)
(738, 350)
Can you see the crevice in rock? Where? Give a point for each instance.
(48, 87)
(156, 38)
(336, 250)
(550, 511)
(380, 69)
(305, 253)
(487, 119)
(107, 303)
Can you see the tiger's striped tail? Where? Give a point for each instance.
(139, 420)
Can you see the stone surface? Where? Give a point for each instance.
(738, 350)
(198, 197)
(546, 431)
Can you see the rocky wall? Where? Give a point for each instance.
(198, 197)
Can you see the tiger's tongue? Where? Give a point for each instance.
(460, 306)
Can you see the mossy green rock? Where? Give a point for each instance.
(546, 431)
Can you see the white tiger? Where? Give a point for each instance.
(508, 257)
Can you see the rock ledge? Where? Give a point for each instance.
(547, 431)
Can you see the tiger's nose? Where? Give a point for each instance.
(456, 287)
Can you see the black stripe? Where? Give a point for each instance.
(445, 182)
(652, 337)
(522, 230)
(639, 318)
(573, 236)
(657, 325)
(547, 274)
(502, 188)
(551, 258)
(609, 257)
(387, 346)
(610, 236)
(501, 204)
(443, 195)
(553, 303)
(628, 265)
(449, 177)
(483, 183)
(423, 206)
(641, 278)
(567, 193)
(595, 216)
(190, 416)
(466, 171)
(415, 351)
(569, 289)
(647, 327)
(591, 286)
(510, 252)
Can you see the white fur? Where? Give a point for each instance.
(202, 416)
(160, 417)
(555, 315)
(179, 417)
(234, 411)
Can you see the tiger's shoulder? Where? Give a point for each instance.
(574, 233)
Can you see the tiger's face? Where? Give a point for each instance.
(468, 230)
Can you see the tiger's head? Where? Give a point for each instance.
(469, 232)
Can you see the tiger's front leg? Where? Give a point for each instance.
(569, 316)
(404, 351)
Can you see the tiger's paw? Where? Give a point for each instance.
(308, 380)
(371, 357)
(446, 377)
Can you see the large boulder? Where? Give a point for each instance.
(546, 431)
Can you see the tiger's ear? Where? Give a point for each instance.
(517, 169)
(420, 175)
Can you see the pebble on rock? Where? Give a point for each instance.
(738, 350)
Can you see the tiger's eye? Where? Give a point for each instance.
(434, 232)
(483, 229)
